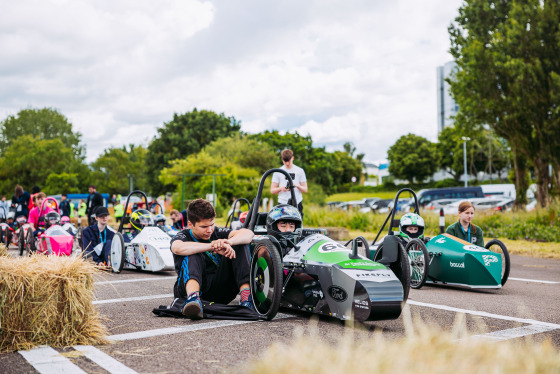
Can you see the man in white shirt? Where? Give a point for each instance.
(280, 182)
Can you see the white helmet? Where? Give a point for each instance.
(411, 219)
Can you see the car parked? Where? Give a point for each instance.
(379, 206)
(494, 204)
(436, 205)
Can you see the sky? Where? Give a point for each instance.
(360, 71)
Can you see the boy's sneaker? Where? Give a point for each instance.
(192, 308)
(247, 304)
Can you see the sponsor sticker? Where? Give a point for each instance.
(372, 275)
(440, 240)
(457, 264)
(474, 248)
(332, 247)
(489, 259)
(338, 293)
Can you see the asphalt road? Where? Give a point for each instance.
(529, 304)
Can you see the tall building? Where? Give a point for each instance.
(446, 106)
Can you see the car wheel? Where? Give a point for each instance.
(266, 278)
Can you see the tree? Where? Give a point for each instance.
(112, 169)
(62, 183)
(184, 135)
(508, 54)
(412, 157)
(45, 124)
(29, 165)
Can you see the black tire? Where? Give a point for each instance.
(7, 238)
(79, 238)
(117, 253)
(498, 247)
(30, 242)
(21, 241)
(419, 262)
(401, 268)
(266, 278)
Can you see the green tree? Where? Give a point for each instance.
(45, 124)
(112, 169)
(62, 183)
(412, 158)
(184, 135)
(508, 54)
(29, 165)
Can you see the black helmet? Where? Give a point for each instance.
(159, 218)
(52, 218)
(283, 212)
(141, 218)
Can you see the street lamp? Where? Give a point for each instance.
(465, 138)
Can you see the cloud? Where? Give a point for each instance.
(361, 71)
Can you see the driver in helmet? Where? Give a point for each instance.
(159, 220)
(10, 220)
(411, 226)
(281, 222)
(138, 220)
(51, 219)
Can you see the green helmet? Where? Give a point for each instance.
(411, 219)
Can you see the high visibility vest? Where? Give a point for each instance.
(82, 209)
(119, 210)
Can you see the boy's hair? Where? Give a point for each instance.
(40, 195)
(287, 155)
(173, 212)
(200, 209)
(65, 195)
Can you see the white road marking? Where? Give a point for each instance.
(181, 329)
(552, 326)
(533, 280)
(513, 333)
(48, 361)
(138, 298)
(134, 280)
(104, 360)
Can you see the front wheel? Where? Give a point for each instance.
(499, 248)
(21, 241)
(419, 262)
(30, 242)
(266, 278)
(117, 253)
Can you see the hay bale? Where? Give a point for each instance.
(3, 250)
(427, 350)
(48, 300)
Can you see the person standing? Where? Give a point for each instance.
(279, 185)
(4, 208)
(20, 202)
(94, 201)
(65, 209)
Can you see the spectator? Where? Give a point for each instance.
(119, 210)
(4, 208)
(464, 228)
(82, 207)
(94, 201)
(20, 201)
(97, 238)
(179, 219)
(279, 185)
(65, 206)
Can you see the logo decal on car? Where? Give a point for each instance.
(457, 264)
(489, 259)
(474, 248)
(338, 293)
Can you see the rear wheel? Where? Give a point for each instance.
(499, 248)
(266, 278)
(117, 253)
(79, 238)
(29, 242)
(21, 241)
(419, 262)
(401, 267)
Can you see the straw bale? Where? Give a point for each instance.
(48, 300)
(3, 250)
(426, 350)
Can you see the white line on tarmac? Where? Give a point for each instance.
(513, 333)
(533, 280)
(136, 280)
(48, 361)
(104, 360)
(138, 298)
(181, 329)
(552, 326)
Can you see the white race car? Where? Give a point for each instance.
(139, 244)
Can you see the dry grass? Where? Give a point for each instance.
(3, 250)
(47, 300)
(423, 350)
(533, 249)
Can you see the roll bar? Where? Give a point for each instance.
(392, 212)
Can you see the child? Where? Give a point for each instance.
(411, 226)
(463, 228)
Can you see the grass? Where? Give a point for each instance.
(424, 349)
(351, 196)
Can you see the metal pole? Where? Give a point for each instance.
(183, 195)
(130, 183)
(214, 190)
(465, 160)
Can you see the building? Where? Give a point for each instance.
(446, 106)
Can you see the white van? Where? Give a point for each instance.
(499, 190)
